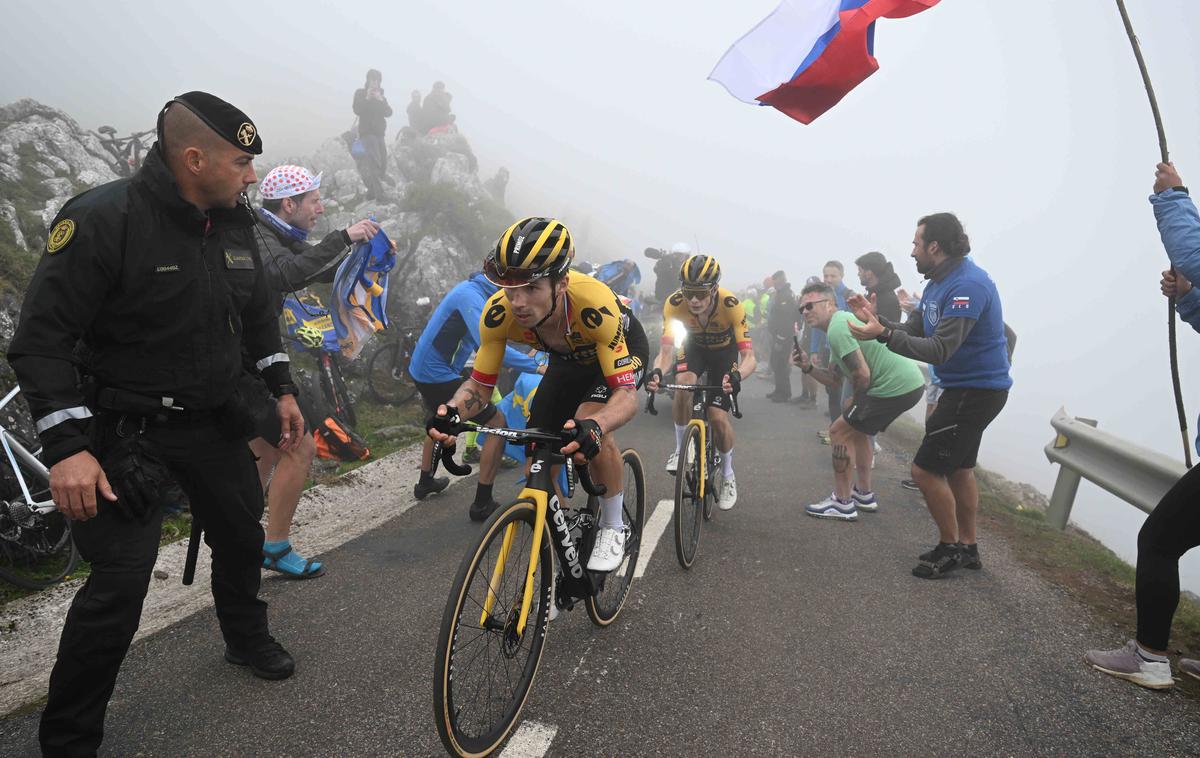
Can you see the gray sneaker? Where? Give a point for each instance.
(1190, 666)
(1125, 663)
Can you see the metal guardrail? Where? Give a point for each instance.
(1136, 474)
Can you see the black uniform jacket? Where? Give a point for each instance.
(158, 294)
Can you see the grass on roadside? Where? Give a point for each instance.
(1072, 560)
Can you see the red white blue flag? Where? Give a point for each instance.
(808, 54)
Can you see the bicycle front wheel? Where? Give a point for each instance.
(689, 506)
(604, 606)
(387, 376)
(485, 667)
(334, 387)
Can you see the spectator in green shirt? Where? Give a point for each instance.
(885, 385)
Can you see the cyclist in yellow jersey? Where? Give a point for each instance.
(598, 352)
(717, 345)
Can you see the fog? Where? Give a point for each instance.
(1028, 119)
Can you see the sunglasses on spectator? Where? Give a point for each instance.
(806, 307)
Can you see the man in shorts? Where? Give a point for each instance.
(958, 329)
(885, 385)
(597, 350)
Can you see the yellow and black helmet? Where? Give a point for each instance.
(700, 271)
(529, 250)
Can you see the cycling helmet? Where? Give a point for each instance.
(682, 248)
(531, 249)
(310, 336)
(700, 271)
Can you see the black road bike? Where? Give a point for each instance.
(531, 554)
(127, 152)
(388, 379)
(698, 476)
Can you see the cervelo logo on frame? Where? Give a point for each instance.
(564, 531)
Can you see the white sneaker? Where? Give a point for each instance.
(728, 495)
(608, 550)
(1124, 662)
(673, 463)
(833, 508)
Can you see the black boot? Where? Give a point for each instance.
(267, 660)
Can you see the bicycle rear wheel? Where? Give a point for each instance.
(606, 604)
(334, 387)
(689, 506)
(484, 668)
(36, 550)
(387, 376)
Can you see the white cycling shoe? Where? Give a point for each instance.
(673, 463)
(728, 496)
(608, 551)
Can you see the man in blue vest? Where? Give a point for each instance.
(450, 338)
(958, 329)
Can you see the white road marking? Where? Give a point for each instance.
(531, 740)
(652, 532)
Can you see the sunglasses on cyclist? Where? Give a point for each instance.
(806, 307)
(696, 294)
(510, 277)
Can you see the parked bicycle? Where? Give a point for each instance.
(387, 369)
(36, 549)
(310, 327)
(531, 555)
(698, 478)
(127, 152)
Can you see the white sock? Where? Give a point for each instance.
(610, 511)
(727, 464)
(679, 431)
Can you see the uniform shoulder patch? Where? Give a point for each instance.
(676, 299)
(60, 236)
(731, 301)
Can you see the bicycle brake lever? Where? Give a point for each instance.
(590, 487)
(650, 403)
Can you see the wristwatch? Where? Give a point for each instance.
(286, 389)
(885, 335)
(808, 370)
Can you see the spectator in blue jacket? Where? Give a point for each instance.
(1173, 528)
(450, 339)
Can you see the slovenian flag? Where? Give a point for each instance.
(808, 54)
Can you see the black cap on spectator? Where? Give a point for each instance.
(228, 122)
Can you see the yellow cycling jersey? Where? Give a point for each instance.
(596, 329)
(724, 323)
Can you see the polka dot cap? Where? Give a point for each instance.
(288, 181)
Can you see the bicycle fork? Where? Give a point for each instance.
(703, 453)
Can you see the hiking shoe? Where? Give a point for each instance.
(1190, 666)
(1127, 663)
(969, 556)
(727, 495)
(910, 484)
(608, 550)
(673, 463)
(425, 487)
(833, 508)
(864, 501)
(936, 563)
(267, 660)
(480, 511)
(471, 454)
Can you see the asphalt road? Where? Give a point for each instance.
(790, 636)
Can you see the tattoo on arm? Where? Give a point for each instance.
(474, 402)
(841, 458)
(857, 365)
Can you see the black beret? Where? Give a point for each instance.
(227, 121)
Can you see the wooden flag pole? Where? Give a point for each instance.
(1162, 148)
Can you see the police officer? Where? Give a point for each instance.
(128, 350)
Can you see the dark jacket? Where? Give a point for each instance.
(291, 264)
(783, 316)
(372, 114)
(886, 302)
(158, 295)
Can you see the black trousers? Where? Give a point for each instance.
(1172, 529)
(219, 476)
(781, 366)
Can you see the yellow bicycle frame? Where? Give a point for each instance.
(703, 456)
(541, 500)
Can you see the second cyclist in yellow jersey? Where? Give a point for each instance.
(717, 347)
